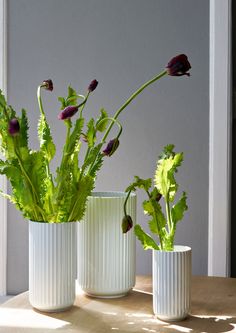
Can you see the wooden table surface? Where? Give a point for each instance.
(213, 311)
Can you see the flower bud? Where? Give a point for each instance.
(178, 66)
(68, 112)
(14, 127)
(127, 223)
(158, 197)
(93, 85)
(111, 147)
(48, 85)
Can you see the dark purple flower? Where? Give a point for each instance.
(48, 85)
(14, 127)
(178, 66)
(68, 112)
(93, 85)
(127, 223)
(111, 147)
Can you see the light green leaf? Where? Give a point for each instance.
(91, 133)
(177, 211)
(164, 175)
(102, 122)
(140, 183)
(47, 146)
(146, 240)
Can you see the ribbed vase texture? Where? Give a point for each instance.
(106, 256)
(172, 283)
(52, 265)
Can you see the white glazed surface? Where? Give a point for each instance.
(106, 256)
(52, 265)
(171, 283)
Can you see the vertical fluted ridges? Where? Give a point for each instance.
(171, 283)
(106, 256)
(52, 265)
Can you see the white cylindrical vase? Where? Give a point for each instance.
(172, 283)
(52, 265)
(106, 256)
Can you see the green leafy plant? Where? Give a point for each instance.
(162, 225)
(36, 192)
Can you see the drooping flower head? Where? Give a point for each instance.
(68, 112)
(111, 147)
(178, 66)
(48, 85)
(14, 127)
(127, 223)
(93, 85)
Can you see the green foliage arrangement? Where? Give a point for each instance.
(162, 226)
(36, 192)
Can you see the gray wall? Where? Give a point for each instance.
(121, 43)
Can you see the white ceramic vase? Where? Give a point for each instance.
(172, 283)
(52, 265)
(106, 256)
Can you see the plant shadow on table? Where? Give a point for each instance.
(211, 324)
(132, 313)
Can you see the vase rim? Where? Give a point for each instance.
(177, 248)
(110, 194)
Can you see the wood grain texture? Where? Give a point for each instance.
(213, 311)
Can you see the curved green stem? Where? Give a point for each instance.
(83, 104)
(129, 100)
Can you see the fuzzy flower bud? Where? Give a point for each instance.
(127, 223)
(48, 85)
(93, 85)
(68, 112)
(111, 147)
(14, 127)
(178, 66)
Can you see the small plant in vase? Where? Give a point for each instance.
(171, 263)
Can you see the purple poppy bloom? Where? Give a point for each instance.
(127, 223)
(68, 112)
(178, 66)
(48, 85)
(111, 147)
(93, 85)
(14, 127)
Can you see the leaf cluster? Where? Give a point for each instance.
(36, 192)
(164, 187)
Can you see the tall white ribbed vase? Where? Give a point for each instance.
(172, 283)
(52, 265)
(106, 256)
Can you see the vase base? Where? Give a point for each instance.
(171, 319)
(38, 309)
(106, 296)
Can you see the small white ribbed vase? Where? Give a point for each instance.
(52, 265)
(172, 283)
(106, 256)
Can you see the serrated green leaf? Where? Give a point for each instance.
(146, 240)
(63, 102)
(71, 92)
(177, 211)
(24, 127)
(164, 175)
(140, 183)
(102, 122)
(91, 133)
(47, 145)
(75, 136)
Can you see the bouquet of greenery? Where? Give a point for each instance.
(40, 195)
(161, 225)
